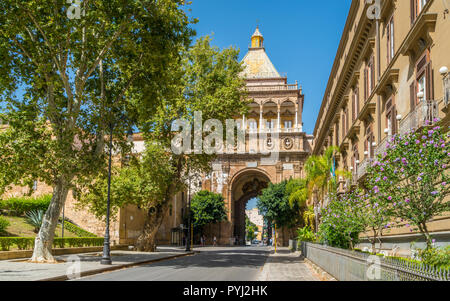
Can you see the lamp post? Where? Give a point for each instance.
(106, 258)
(188, 238)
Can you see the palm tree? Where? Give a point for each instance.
(319, 180)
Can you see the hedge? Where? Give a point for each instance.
(19, 206)
(27, 243)
(77, 230)
(4, 223)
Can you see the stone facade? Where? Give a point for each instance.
(387, 78)
(275, 145)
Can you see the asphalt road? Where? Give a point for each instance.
(212, 264)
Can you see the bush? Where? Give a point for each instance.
(18, 206)
(306, 234)
(436, 257)
(4, 223)
(27, 243)
(77, 230)
(35, 218)
(329, 236)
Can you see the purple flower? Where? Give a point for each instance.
(407, 201)
(385, 179)
(390, 198)
(434, 193)
(430, 133)
(444, 183)
(417, 141)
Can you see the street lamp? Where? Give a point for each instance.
(188, 240)
(106, 258)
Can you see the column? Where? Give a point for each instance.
(261, 123)
(279, 117)
(296, 117)
(243, 123)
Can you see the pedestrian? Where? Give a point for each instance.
(215, 240)
(202, 241)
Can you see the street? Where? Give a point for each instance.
(211, 264)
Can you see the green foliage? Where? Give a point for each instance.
(207, 208)
(250, 229)
(343, 220)
(412, 177)
(34, 218)
(438, 257)
(4, 223)
(19, 206)
(77, 230)
(27, 243)
(274, 206)
(306, 234)
(64, 81)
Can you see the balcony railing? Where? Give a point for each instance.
(275, 130)
(272, 88)
(424, 114)
(362, 168)
(381, 149)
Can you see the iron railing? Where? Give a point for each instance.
(272, 88)
(424, 114)
(362, 168)
(346, 265)
(381, 148)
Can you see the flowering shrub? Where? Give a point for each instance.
(343, 220)
(412, 178)
(306, 234)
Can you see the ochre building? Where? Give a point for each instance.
(389, 76)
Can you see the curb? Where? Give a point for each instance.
(119, 267)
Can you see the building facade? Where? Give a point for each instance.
(273, 124)
(257, 219)
(389, 76)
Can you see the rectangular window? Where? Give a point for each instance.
(390, 40)
(424, 80)
(447, 90)
(288, 124)
(416, 8)
(391, 114)
(369, 78)
(355, 110)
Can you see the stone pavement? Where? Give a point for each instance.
(286, 266)
(87, 263)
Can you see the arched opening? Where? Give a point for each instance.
(246, 186)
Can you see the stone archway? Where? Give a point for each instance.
(244, 187)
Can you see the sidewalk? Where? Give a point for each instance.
(89, 264)
(286, 266)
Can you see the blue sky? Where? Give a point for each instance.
(301, 37)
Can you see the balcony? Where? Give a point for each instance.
(362, 168)
(424, 114)
(381, 149)
(262, 88)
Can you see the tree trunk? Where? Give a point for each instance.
(146, 242)
(44, 240)
(424, 229)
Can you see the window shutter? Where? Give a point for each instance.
(429, 80)
(413, 11)
(366, 82)
(413, 95)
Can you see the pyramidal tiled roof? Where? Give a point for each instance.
(257, 64)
